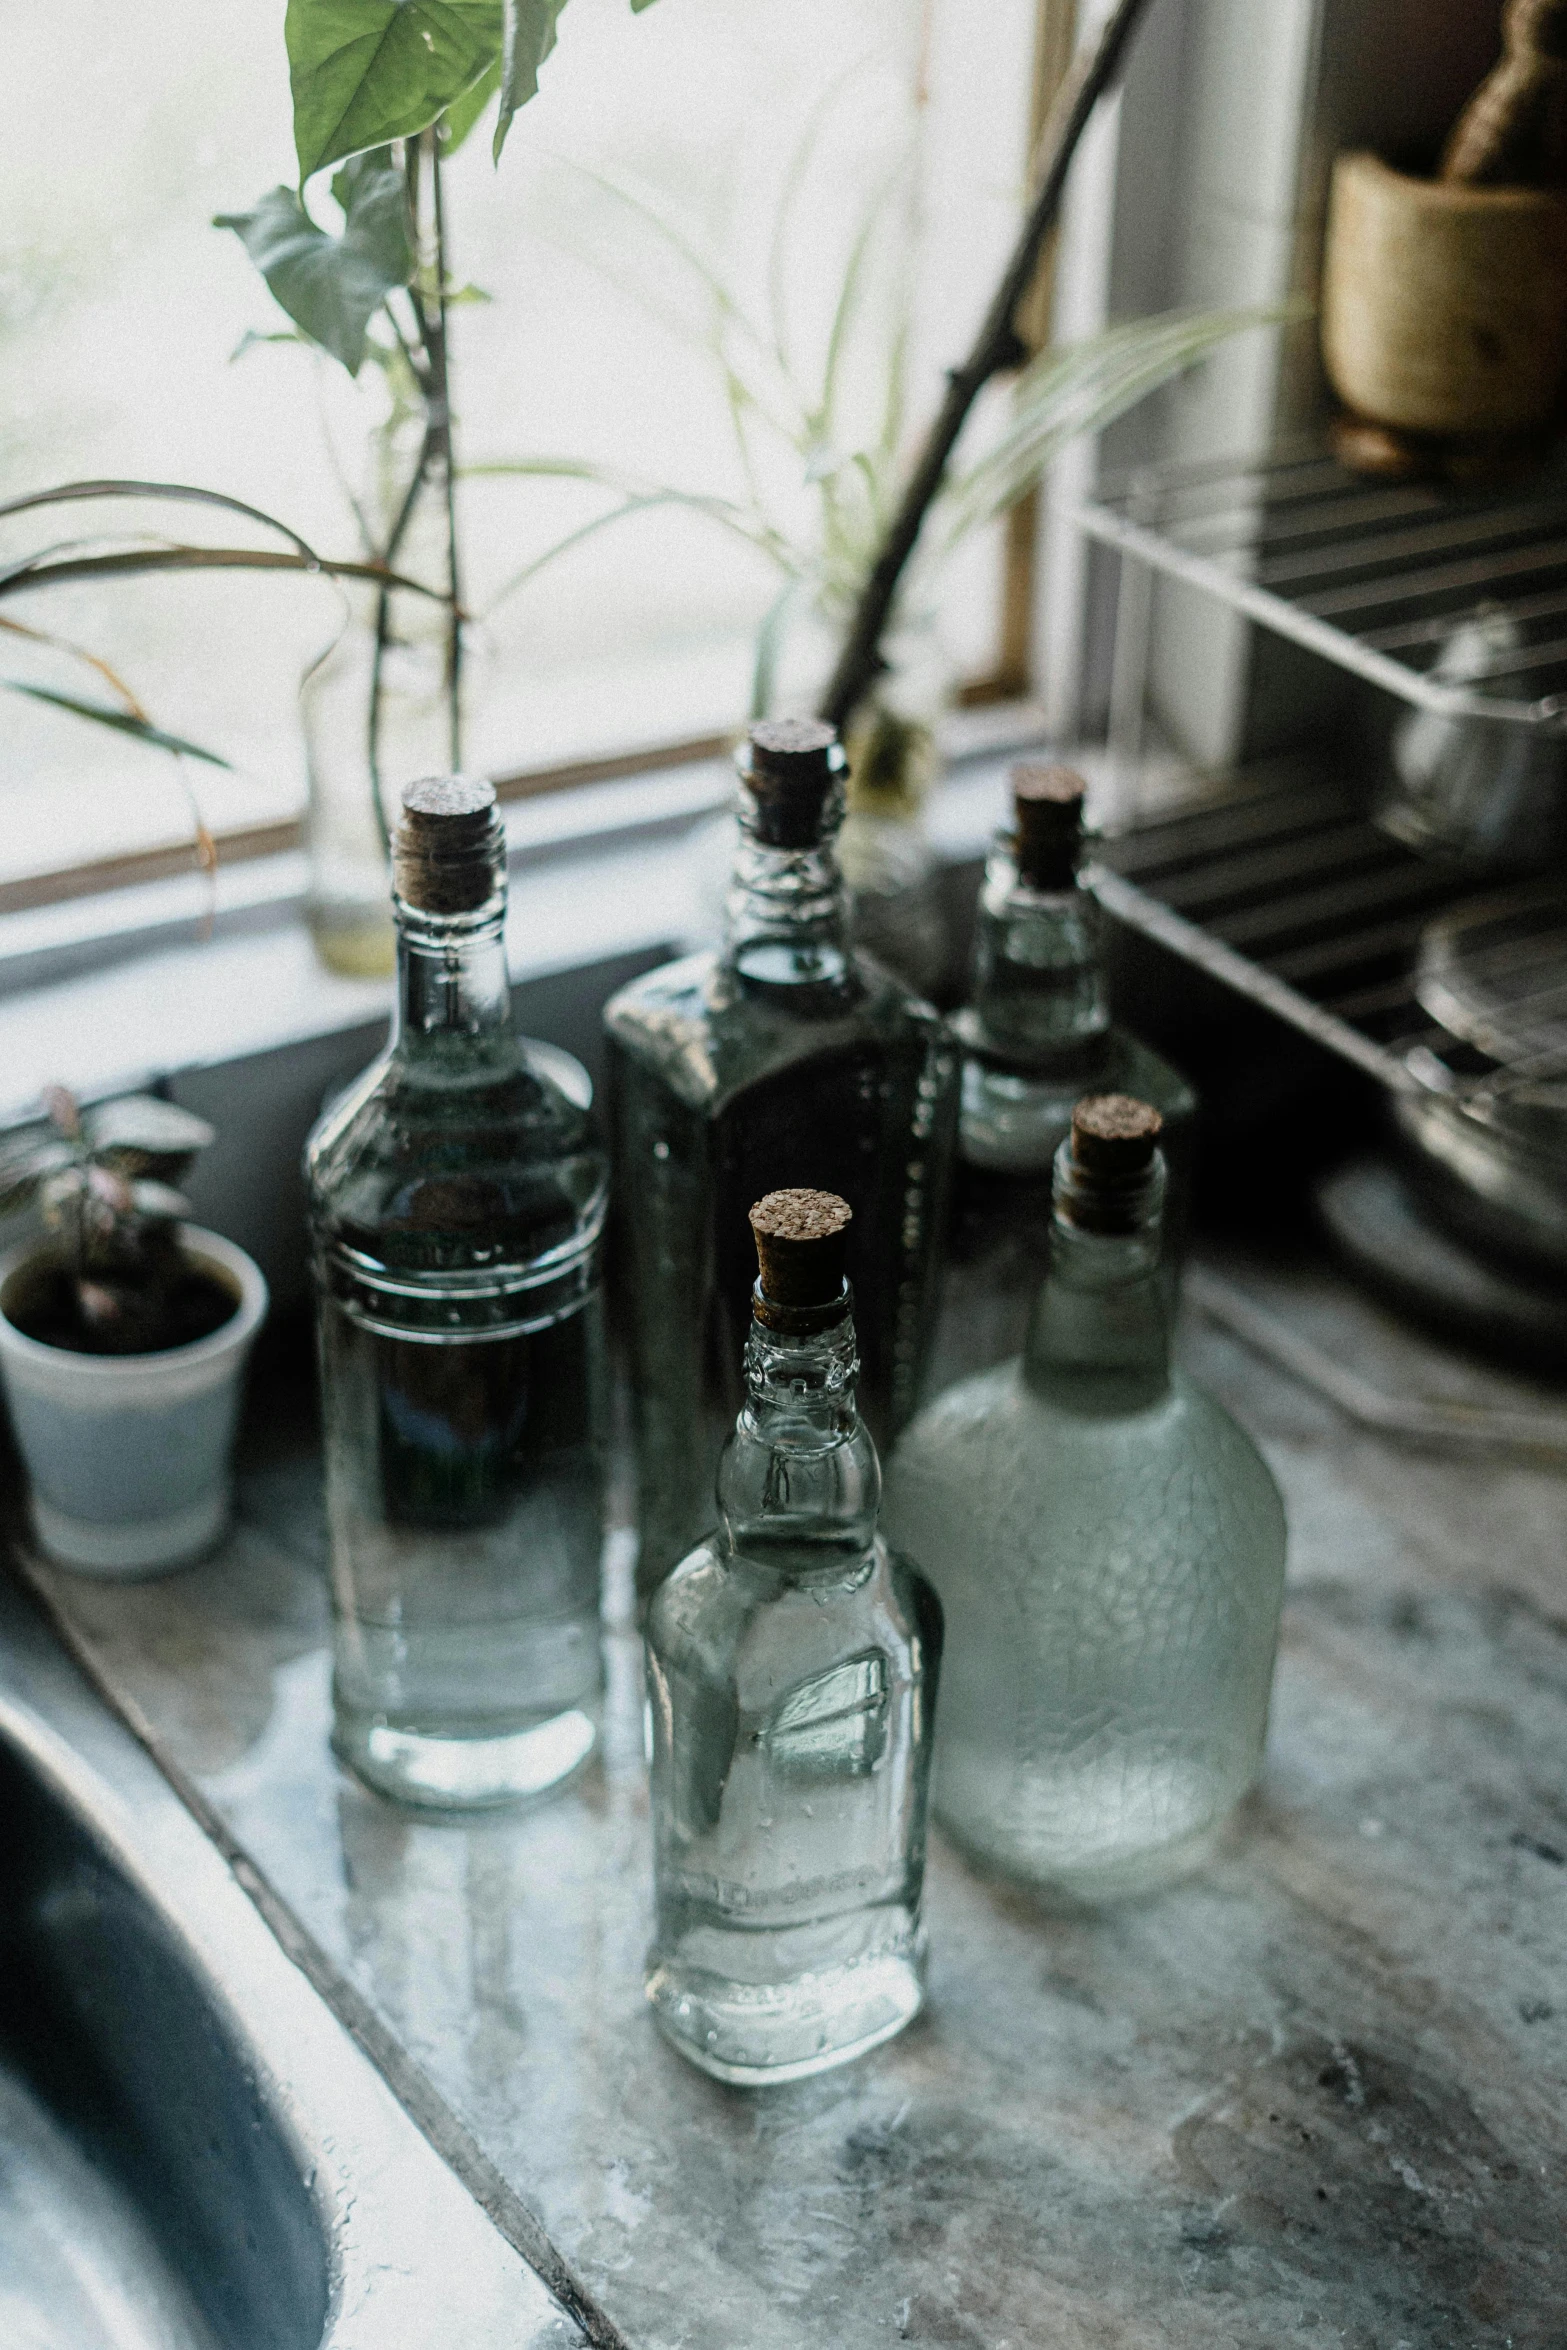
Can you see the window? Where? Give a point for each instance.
(121, 310)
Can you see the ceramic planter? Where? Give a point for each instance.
(128, 1455)
(1444, 307)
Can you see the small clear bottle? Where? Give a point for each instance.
(457, 1202)
(1109, 1550)
(785, 1054)
(792, 1663)
(1037, 1037)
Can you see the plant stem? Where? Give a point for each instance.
(439, 348)
(995, 347)
(383, 632)
(431, 372)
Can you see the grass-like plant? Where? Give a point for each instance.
(797, 425)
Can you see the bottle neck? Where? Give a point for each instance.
(1039, 987)
(799, 1484)
(786, 918)
(453, 988)
(1098, 1340)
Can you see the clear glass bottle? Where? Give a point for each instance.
(792, 1662)
(1037, 1036)
(1109, 1550)
(783, 1054)
(457, 1202)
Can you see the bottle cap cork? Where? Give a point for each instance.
(1114, 1134)
(1110, 1173)
(446, 854)
(1047, 806)
(793, 769)
(802, 1240)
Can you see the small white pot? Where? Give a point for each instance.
(128, 1455)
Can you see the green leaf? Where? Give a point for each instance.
(253, 338)
(529, 37)
(365, 72)
(158, 1203)
(27, 1165)
(103, 714)
(145, 1132)
(1063, 394)
(460, 119)
(330, 286)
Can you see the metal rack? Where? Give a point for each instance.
(1283, 887)
(1286, 892)
(1373, 576)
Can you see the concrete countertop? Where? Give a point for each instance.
(1315, 2095)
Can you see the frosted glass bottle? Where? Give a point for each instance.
(1109, 1550)
(457, 1204)
(792, 1662)
(1037, 1036)
(784, 1056)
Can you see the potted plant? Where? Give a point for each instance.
(123, 1338)
(383, 95)
(378, 119)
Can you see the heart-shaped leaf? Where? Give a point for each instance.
(330, 286)
(365, 72)
(528, 39)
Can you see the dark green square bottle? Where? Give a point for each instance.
(783, 1059)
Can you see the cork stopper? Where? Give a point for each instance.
(793, 769)
(1047, 805)
(1109, 1176)
(1114, 1134)
(447, 850)
(802, 1240)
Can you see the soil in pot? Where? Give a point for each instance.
(191, 1304)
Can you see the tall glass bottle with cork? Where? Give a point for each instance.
(1036, 1037)
(457, 1202)
(1109, 1550)
(792, 1663)
(784, 1056)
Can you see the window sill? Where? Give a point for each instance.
(216, 996)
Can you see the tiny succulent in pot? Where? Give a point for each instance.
(117, 1278)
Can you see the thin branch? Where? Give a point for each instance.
(415, 367)
(995, 347)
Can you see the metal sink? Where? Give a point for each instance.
(194, 2154)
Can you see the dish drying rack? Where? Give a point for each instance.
(1284, 889)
